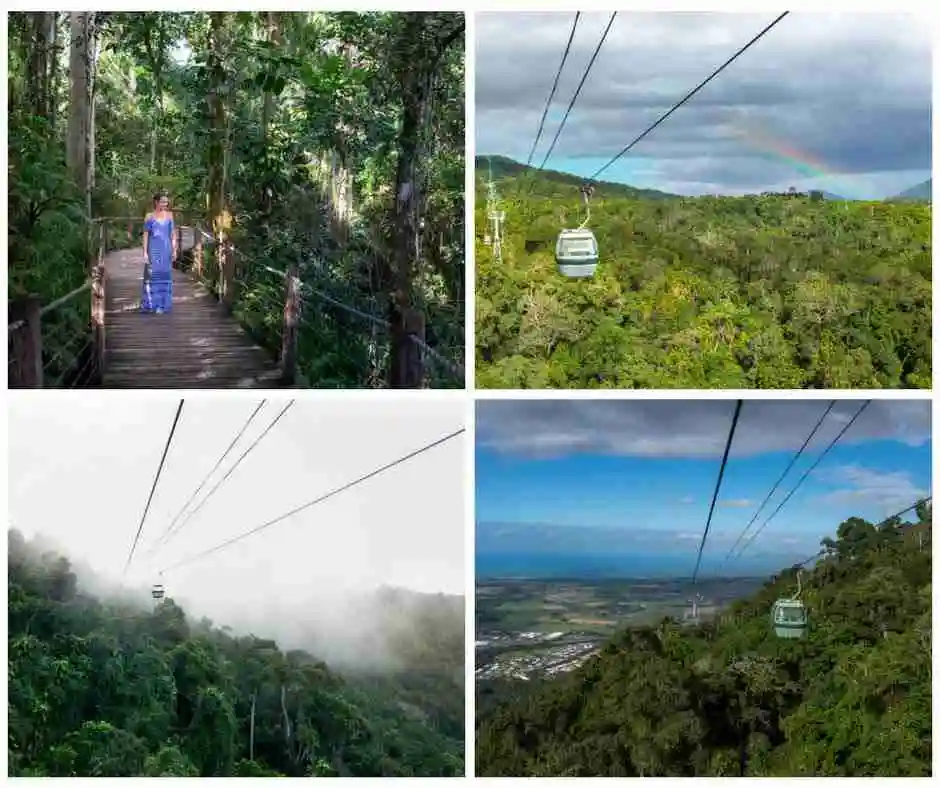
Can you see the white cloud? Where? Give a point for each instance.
(889, 491)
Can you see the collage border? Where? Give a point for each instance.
(469, 394)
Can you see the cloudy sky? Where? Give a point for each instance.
(839, 102)
(81, 469)
(638, 476)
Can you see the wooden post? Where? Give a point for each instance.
(25, 362)
(226, 273)
(103, 241)
(290, 328)
(406, 370)
(197, 252)
(97, 324)
(179, 245)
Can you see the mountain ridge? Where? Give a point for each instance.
(504, 167)
(921, 192)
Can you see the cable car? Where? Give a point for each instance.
(157, 592)
(789, 618)
(576, 250)
(576, 253)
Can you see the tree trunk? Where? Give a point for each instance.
(420, 53)
(80, 139)
(41, 54)
(215, 197)
(272, 23)
(53, 64)
(155, 59)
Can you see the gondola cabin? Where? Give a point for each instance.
(789, 618)
(576, 253)
(157, 592)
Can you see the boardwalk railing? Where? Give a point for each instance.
(60, 344)
(322, 334)
(74, 357)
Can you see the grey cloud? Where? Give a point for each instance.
(686, 428)
(853, 91)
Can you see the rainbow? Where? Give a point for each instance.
(804, 163)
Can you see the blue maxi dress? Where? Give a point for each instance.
(158, 274)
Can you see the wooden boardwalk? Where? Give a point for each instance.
(196, 345)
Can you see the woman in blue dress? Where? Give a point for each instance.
(159, 253)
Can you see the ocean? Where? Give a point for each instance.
(491, 566)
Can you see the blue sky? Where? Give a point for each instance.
(839, 102)
(549, 474)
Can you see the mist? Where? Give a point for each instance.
(81, 472)
(353, 630)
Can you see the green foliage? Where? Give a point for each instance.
(728, 698)
(105, 689)
(771, 291)
(321, 105)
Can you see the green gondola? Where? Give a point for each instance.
(789, 617)
(576, 253)
(576, 250)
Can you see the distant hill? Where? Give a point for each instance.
(920, 192)
(503, 167)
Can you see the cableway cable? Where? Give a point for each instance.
(574, 98)
(691, 93)
(803, 478)
(231, 470)
(315, 501)
(899, 527)
(169, 532)
(153, 487)
(551, 95)
(721, 474)
(780, 480)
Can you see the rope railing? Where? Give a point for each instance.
(38, 356)
(39, 336)
(414, 337)
(37, 349)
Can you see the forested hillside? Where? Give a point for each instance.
(852, 698)
(922, 192)
(770, 291)
(110, 687)
(286, 135)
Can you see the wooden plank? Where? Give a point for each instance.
(195, 345)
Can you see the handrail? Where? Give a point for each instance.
(52, 305)
(18, 324)
(453, 367)
(64, 299)
(26, 335)
(25, 366)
